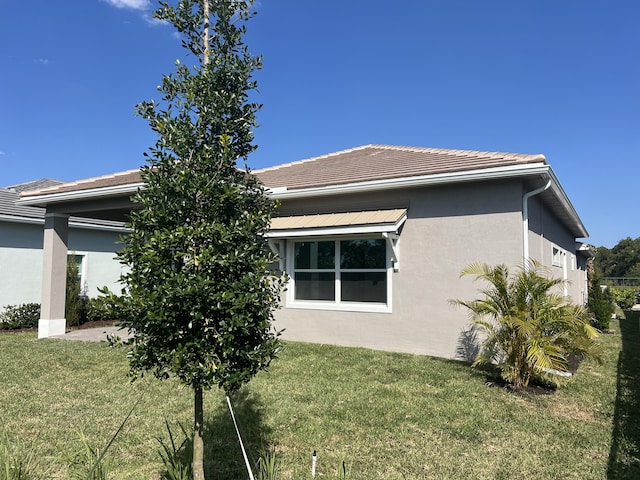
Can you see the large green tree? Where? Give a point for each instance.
(199, 275)
(623, 260)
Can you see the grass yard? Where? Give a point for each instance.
(388, 416)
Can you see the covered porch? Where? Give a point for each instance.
(104, 198)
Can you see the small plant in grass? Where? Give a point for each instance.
(89, 464)
(267, 468)
(531, 330)
(177, 457)
(16, 463)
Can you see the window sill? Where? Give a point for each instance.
(340, 307)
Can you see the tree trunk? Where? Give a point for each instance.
(198, 438)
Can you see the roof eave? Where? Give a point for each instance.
(46, 199)
(541, 169)
(72, 224)
(512, 171)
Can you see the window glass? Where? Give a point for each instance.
(315, 255)
(360, 276)
(369, 253)
(364, 287)
(315, 286)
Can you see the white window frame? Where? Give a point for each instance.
(338, 304)
(559, 259)
(558, 256)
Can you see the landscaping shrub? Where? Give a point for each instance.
(531, 331)
(16, 317)
(625, 297)
(600, 304)
(107, 306)
(74, 303)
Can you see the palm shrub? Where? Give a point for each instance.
(530, 329)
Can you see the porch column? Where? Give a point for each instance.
(54, 275)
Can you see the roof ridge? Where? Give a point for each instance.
(311, 159)
(461, 152)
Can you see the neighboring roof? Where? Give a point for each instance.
(35, 185)
(10, 211)
(381, 162)
(363, 222)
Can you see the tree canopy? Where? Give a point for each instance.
(623, 260)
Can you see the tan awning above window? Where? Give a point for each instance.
(376, 221)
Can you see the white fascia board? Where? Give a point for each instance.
(47, 199)
(15, 219)
(404, 182)
(566, 203)
(331, 231)
(72, 224)
(104, 228)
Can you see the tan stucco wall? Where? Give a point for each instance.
(446, 229)
(547, 232)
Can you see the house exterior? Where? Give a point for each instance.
(91, 243)
(374, 238)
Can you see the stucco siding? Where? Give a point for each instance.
(21, 260)
(447, 229)
(548, 235)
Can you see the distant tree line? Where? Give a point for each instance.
(623, 260)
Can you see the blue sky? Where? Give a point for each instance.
(560, 78)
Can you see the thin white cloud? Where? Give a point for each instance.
(42, 61)
(2, 153)
(154, 22)
(133, 4)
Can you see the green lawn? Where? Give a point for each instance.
(389, 416)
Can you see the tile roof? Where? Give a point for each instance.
(361, 164)
(380, 162)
